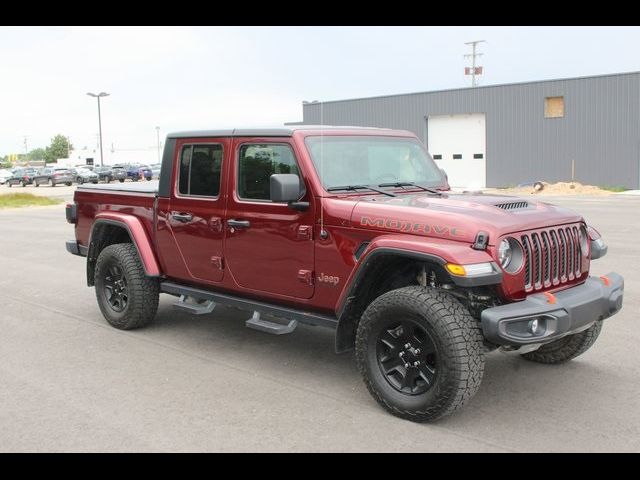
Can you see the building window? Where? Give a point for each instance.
(554, 107)
(478, 155)
(437, 157)
(457, 156)
(200, 167)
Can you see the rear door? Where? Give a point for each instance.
(196, 207)
(268, 246)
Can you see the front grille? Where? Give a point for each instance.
(551, 257)
(512, 205)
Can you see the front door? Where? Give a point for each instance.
(196, 209)
(268, 246)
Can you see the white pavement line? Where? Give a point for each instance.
(248, 372)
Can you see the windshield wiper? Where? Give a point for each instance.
(353, 188)
(410, 184)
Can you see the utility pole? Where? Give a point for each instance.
(158, 135)
(474, 70)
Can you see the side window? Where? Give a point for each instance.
(257, 163)
(200, 169)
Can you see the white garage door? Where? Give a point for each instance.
(458, 145)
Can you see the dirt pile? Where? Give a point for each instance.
(560, 188)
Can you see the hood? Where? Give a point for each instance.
(456, 216)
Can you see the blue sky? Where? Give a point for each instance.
(211, 77)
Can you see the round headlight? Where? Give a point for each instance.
(510, 255)
(584, 241)
(504, 253)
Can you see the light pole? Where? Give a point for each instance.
(158, 134)
(101, 94)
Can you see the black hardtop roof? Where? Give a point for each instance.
(262, 132)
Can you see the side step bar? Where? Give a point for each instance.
(194, 308)
(257, 323)
(250, 305)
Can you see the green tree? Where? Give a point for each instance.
(59, 148)
(37, 154)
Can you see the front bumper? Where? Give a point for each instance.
(563, 313)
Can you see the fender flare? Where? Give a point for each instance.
(439, 255)
(138, 236)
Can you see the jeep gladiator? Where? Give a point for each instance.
(354, 229)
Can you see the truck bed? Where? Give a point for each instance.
(127, 187)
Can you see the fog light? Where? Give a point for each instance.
(533, 326)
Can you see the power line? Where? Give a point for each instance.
(473, 70)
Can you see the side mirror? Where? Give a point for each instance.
(286, 188)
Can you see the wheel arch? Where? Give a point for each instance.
(389, 263)
(107, 230)
(382, 270)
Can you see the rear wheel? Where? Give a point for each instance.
(23, 183)
(52, 183)
(68, 184)
(419, 353)
(122, 180)
(127, 297)
(80, 180)
(566, 348)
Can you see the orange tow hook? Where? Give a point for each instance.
(605, 280)
(551, 298)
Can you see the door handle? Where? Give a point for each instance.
(182, 217)
(239, 223)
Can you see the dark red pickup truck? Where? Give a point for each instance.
(353, 229)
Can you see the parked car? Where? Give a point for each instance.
(5, 174)
(105, 174)
(22, 176)
(84, 175)
(367, 240)
(119, 173)
(139, 172)
(155, 170)
(53, 177)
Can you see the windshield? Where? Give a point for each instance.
(369, 160)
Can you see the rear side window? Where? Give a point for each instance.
(256, 165)
(200, 170)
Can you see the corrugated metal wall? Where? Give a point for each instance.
(600, 129)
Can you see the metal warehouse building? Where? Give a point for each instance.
(504, 135)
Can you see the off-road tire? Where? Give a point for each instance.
(566, 348)
(143, 291)
(458, 342)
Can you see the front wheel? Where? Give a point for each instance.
(127, 297)
(121, 180)
(420, 353)
(566, 348)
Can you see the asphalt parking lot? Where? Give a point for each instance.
(69, 382)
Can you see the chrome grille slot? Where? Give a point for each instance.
(552, 256)
(526, 245)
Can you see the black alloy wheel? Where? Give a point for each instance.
(115, 287)
(407, 357)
